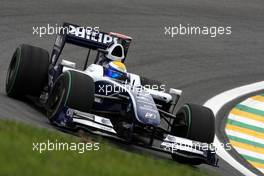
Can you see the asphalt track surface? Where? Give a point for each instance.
(199, 65)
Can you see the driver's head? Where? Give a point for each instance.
(115, 69)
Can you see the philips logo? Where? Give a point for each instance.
(92, 34)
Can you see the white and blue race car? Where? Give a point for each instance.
(105, 99)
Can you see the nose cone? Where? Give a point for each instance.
(147, 112)
(149, 117)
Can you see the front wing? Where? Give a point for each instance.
(170, 144)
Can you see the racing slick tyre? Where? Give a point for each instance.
(27, 72)
(194, 122)
(72, 89)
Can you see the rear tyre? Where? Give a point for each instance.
(72, 89)
(194, 122)
(28, 71)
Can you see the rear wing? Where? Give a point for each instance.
(90, 38)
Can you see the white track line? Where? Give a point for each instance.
(216, 104)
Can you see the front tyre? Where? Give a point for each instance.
(72, 89)
(194, 122)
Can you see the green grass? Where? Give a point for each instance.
(18, 158)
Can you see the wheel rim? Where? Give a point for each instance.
(56, 97)
(181, 124)
(12, 71)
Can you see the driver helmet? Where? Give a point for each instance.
(115, 70)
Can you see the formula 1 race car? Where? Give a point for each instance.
(103, 98)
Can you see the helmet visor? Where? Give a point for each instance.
(113, 73)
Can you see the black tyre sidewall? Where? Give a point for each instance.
(200, 121)
(78, 93)
(11, 78)
(53, 111)
(31, 71)
(202, 125)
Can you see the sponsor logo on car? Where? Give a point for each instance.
(91, 34)
(150, 115)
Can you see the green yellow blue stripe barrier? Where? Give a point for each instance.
(245, 130)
